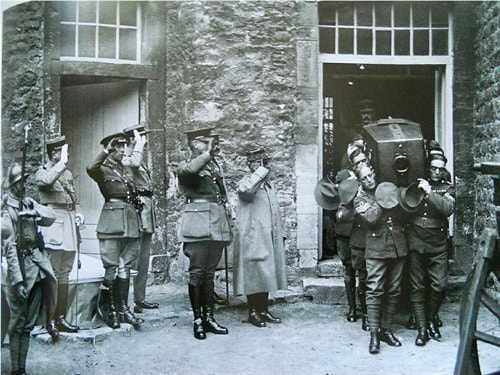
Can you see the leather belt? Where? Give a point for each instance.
(145, 193)
(204, 200)
(66, 206)
(428, 222)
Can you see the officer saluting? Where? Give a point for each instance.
(427, 238)
(136, 136)
(31, 280)
(118, 228)
(57, 191)
(205, 228)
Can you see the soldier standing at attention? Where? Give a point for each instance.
(259, 260)
(118, 228)
(427, 238)
(205, 228)
(57, 191)
(142, 178)
(31, 281)
(385, 252)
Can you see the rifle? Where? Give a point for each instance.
(78, 265)
(20, 230)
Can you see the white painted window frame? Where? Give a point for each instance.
(117, 28)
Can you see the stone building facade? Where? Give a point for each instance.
(257, 73)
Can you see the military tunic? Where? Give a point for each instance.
(204, 227)
(118, 227)
(34, 271)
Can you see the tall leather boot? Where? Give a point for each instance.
(350, 291)
(263, 309)
(254, 317)
(14, 341)
(386, 334)
(124, 313)
(62, 306)
(194, 297)
(435, 301)
(209, 323)
(364, 319)
(106, 307)
(24, 345)
(374, 323)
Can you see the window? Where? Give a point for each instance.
(384, 28)
(106, 31)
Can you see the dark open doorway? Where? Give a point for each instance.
(399, 91)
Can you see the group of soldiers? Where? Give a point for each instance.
(380, 229)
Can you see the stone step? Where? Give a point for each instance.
(331, 268)
(325, 290)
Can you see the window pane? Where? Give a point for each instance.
(383, 14)
(128, 13)
(107, 42)
(383, 42)
(364, 42)
(439, 42)
(440, 15)
(326, 14)
(326, 40)
(420, 15)
(346, 14)
(68, 11)
(420, 42)
(107, 12)
(364, 12)
(128, 44)
(346, 40)
(86, 41)
(68, 40)
(401, 14)
(402, 42)
(86, 11)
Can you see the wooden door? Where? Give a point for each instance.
(88, 113)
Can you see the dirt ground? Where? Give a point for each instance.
(313, 339)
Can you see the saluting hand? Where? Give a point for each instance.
(362, 208)
(110, 147)
(424, 185)
(64, 154)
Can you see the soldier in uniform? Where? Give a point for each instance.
(259, 260)
(427, 238)
(386, 248)
(142, 177)
(32, 285)
(57, 191)
(118, 228)
(205, 228)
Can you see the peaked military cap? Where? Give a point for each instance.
(386, 195)
(129, 132)
(367, 105)
(410, 197)
(348, 190)
(55, 144)
(119, 138)
(326, 194)
(201, 134)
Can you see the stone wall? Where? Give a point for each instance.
(232, 65)
(23, 85)
(486, 109)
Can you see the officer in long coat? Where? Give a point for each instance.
(57, 190)
(32, 286)
(118, 228)
(386, 249)
(141, 175)
(259, 257)
(205, 228)
(427, 239)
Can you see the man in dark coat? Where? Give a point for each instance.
(57, 191)
(205, 228)
(259, 257)
(118, 228)
(427, 239)
(32, 286)
(141, 175)
(386, 249)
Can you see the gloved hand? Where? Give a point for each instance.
(64, 154)
(21, 291)
(424, 185)
(80, 219)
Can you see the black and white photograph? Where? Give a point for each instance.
(250, 187)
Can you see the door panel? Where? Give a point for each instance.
(88, 113)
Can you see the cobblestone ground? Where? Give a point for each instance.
(313, 339)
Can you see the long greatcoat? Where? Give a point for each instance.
(259, 256)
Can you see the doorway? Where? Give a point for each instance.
(399, 91)
(89, 111)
